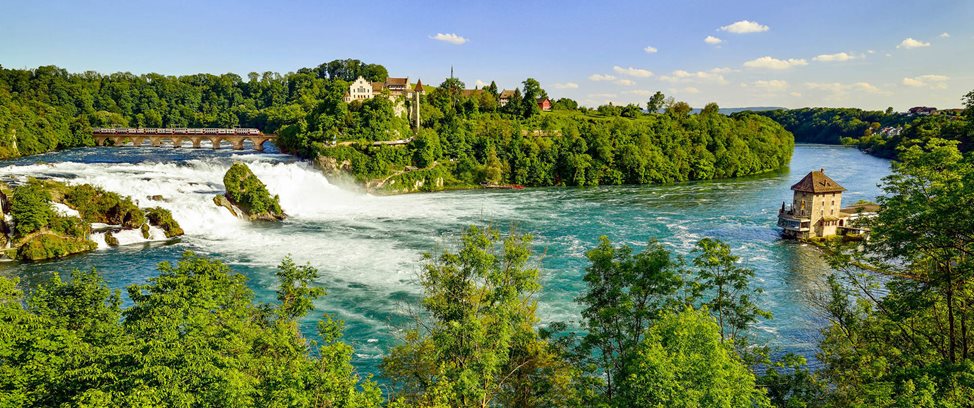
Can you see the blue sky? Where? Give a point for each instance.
(868, 54)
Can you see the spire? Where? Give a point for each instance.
(419, 86)
(451, 71)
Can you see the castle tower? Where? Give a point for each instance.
(417, 91)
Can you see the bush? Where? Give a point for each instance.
(51, 246)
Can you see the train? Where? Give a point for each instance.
(175, 131)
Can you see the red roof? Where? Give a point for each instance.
(817, 182)
(419, 85)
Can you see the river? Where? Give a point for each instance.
(367, 248)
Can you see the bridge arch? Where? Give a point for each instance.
(236, 139)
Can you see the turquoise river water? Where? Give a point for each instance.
(367, 248)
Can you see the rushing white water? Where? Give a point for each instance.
(348, 233)
(64, 210)
(367, 248)
(130, 237)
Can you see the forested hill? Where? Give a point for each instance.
(48, 108)
(468, 137)
(879, 133)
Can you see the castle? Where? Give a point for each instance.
(397, 89)
(816, 210)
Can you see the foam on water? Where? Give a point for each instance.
(367, 248)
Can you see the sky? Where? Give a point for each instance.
(864, 53)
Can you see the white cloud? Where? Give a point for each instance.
(714, 75)
(712, 40)
(795, 93)
(602, 95)
(911, 43)
(772, 85)
(837, 57)
(600, 77)
(944, 35)
(640, 92)
(480, 84)
(687, 90)
(650, 50)
(927, 81)
(633, 72)
(625, 82)
(838, 88)
(744, 27)
(566, 85)
(450, 38)
(774, 63)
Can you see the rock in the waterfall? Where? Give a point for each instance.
(110, 239)
(247, 197)
(162, 218)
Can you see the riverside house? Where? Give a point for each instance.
(816, 210)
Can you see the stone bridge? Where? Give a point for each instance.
(236, 139)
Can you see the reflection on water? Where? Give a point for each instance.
(367, 248)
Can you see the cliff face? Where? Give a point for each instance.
(247, 197)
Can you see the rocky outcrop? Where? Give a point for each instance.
(61, 218)
(51, 246)
(331, 166)
(162, 218)
(110, 239)
(247, 197)
(223, 201)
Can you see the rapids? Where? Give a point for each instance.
(367, 248)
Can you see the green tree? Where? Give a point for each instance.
(679, 109)
(493, 172)
(683, 363)
(655, 103)
(626, 293)
(710, 109)
(901, 337)
(477, 344)
(532, 93)
(727, 286)
(492, 89)
(427, 148)
(631, 111)
(31, 208)
(193, 336)
(969, 106)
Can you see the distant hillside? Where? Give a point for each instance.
(728, 111)
(876, 132)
